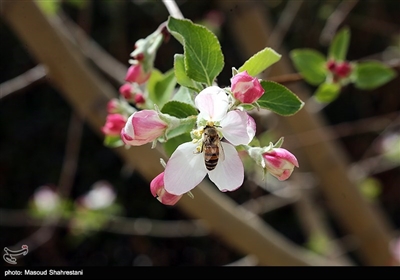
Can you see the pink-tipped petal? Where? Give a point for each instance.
(185, 169)
(284, 154)
(143, 127)
(157, 190)
(228, 175)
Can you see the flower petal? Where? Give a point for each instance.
(185, 169)
(157, 190)
(235, 129)
(228, 175)
(212, 103)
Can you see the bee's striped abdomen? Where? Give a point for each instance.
(211, 160)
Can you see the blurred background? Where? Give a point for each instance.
(105, 213)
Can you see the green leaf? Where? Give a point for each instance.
(180, 74)
(311, 65)
(279, 99)
(171, 145)
(179, 109)
(203, 58)
(340, 45)
(260, 61)
(185, 112)
(327, 92)
(113, 141)
(372, 74)
(161, 86)
(184, 95)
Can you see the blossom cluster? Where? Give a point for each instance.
(217, 120)
(221, 110)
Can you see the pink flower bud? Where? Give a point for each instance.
(112, 106)
(125, 91)
(143, 127)
(331, 65)
(157, 190)
(114, 124)
(343, 69)
(280, 163)
(245, 88)
(136, 74)
(139, 98)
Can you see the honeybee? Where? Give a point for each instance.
(211, 147)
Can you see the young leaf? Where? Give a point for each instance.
(260, 61)
(179, 109)
(340, 45)
(311, 65)
(161, 86)
(372, 74)
(327, 92)
(279, 99)
(203, 58)
(184, 95)
(180, 74)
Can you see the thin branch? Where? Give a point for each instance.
(68, 170)
(341, 130)
(285, 21)
(71, 157)
(336, 18)
(102, 59)
(267, 203)
(377, 164)
(371, 166)
(116, 224)
(287, 78)
(21, 82)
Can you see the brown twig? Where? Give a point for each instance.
(21, 82)
(116, 224)
(334, 21)
(287, 78)
(285, 21)
(342, 130)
